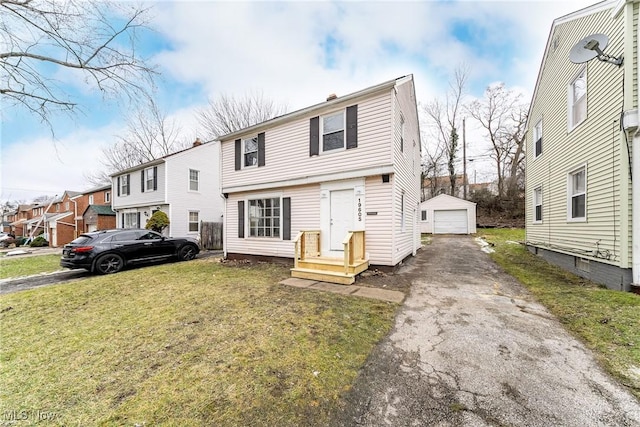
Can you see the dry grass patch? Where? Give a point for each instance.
(607, 321)
(18, 267)
(197, 343)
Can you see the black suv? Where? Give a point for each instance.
(109, 251)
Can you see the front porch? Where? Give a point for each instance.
(309, 264)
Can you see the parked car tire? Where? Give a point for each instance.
(109, 264)
(187, 252)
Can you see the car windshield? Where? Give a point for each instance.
(82, 240)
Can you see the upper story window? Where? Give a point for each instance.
(402, 133)
(66, 205)
(107, 196)
(537, 205)
(123, 185)
(149, 179)
(57, 207)
(250, 151)
(537, 138)
(578, 99)
(577, 195)
(194, 177)
(91, 199)
(333, 131)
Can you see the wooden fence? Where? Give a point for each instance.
(211, 235)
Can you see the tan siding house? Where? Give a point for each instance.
(350, 164)
(579, 209)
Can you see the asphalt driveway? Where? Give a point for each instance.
(471, 347)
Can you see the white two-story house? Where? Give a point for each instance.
(184, 185)
(337, 181)
(583, 146)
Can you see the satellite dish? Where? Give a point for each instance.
(592, 47)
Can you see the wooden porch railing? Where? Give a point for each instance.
(354, 249)
(307, 245)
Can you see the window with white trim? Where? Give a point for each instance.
(537, 205)
(149, 179)
(537, 139)
(578, 99)
(424, 215)
(264, 217)
(194, 177)
(401, 133)
(402, 212)
(124, 185)
(91, 199)
(577, 195)
(333, 127)
(194, 222)
(107, 196)
(66, 206)
(130, 220)
(250, 151)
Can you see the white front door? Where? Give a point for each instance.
(341, 202)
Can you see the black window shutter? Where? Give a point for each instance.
(286, 218)
(128, 184)
(314, 136)
(261, 149)
(155, 177)
(238, 154)
(241, 219)
(352, 126)
(118, 186)
(121, 220)
(142, 180)
(139, 225)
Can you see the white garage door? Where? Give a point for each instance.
(450, 222)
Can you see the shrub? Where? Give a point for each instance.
(158, 222)
(39, 242)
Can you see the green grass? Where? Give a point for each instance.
(184, 344)
(606, 321)
(26, 266)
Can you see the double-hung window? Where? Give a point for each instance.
(194, 222)
(577, 200)
(124, 185)
(250, 150)
(537, 138)
(424, 215)
(401, 133)
(149, 179)
(194, 177)
(578, 99)
(107, 196)
(537, 205)
(333, 131)
(264, 217)
(91, 199)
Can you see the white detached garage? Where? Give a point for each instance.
(446, 214)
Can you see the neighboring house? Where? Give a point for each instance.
(344, 173)
(582, 211)
(184, 185)
(55, 219)
(98, 217)
(446, 214)
(95, 196)
(19, 220)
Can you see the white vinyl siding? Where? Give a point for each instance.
(137, 197)
(596, 142)
(287, 147)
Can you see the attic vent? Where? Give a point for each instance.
(556, 43)
(332, 97)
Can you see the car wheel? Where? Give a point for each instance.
(187, 252)
(109, 264)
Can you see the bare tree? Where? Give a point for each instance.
(227, 113)
(502, 114)
(150, 135)
(432, 164)
(92, 40)
(442, 118)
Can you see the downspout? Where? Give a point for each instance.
(75, 218)
(635, 172)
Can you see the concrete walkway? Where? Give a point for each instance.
(470, 347)
(356, 291)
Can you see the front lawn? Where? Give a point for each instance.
(195, 343)
(606, 321)
(17, 266)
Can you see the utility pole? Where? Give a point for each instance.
(464, 160)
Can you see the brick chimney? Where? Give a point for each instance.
(331, 97)
(197, 142)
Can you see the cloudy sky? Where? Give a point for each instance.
(295, 53)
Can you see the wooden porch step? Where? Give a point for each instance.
(332, 264)
(324, 276)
